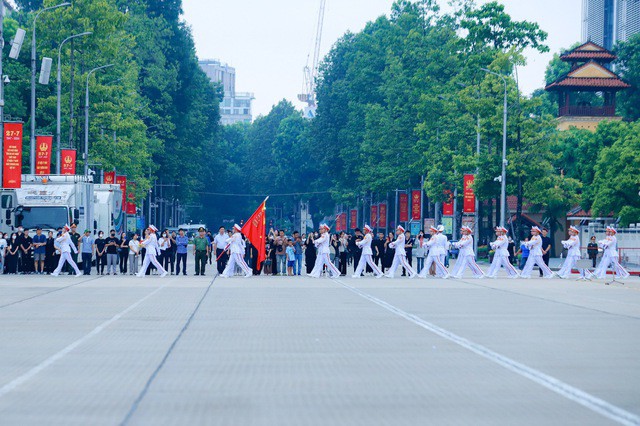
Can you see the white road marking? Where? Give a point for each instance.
(12, 385)
(589, 401)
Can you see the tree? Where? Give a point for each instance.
(628, 64)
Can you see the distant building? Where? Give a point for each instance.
(605, 22)
(236, 106)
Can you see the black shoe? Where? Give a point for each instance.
(197, 273)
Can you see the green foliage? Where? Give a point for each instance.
(628, 64)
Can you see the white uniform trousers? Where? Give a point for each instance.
(610, 261)
(400, 260)
(321, 261)
(462, 263)
(531, 262)
(499, 261)
(567, 266)
(150, 258)
(364, 260)
(441, 271)
(236, 260)
(65, 257)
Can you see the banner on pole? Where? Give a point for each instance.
(44, 144)
(469, 204)
(255, 230)
(12, 155)
(382, 215)
(416, 205)
(353, 219)
(403, 207)
(109, 178)
(374, 217)
(447, 207)
(68, 163)
(122, 181)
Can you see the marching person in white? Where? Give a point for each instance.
(535, 256)
(436, 255)
(323, 259)
(367, 253)
(236, 255)
(501, 255)
(466, 257)
(400, 258)
(610, 256)
(573, 252)
(66, 245)
(151, 244)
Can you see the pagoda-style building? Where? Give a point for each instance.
(589, 75)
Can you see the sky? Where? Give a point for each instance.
(270, 42)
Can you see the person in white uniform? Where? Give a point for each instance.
(466, 256)
(151, 245)
(237, 248)
(435, 256)
(610, 256)
(573, 252)
(535, 256)
(400, 257)
(323, 259)
(501, 255)
(367, 254)
(66, 245)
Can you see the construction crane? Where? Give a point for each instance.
(311, 72)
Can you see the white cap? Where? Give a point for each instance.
(535, 228)
(368, 228)
(325, 226)
(612, 229)
(153, 228)
(440, 228)
(67, 227)
(574, 229)
(238, 227)
(401, 228)
(466, 228)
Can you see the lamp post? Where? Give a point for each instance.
(503, 177)
(33, 85)
(86, 119)
(59, 89)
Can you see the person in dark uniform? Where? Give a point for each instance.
(310, 253)
(592, 250)
(357, 250)
(101, 253)
(408, 247)
(378, 249)
(51, 258)
(546, 247)
(26, 247)
(389, 252)
(12, 256)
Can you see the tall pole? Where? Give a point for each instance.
(476, 236)
(86, 119)
(59, 91)
(503, 176)
(32, 159)
(1, 91)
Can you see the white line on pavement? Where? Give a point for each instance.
(12, 385)
(572, 393)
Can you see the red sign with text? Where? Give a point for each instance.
(382, 218)
(343, 221)
(122, 181)
(68, 161)
(12, 155)
(353, 219)
(131, 207)
(469, 205)
(447, 207)
(44, 145)
(403, 207)
(374, 217)
(416, 205)
(110, 178)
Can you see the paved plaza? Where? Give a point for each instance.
(298, 351)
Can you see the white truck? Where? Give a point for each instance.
(50, 202)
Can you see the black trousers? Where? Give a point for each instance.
(182, 257)
(169, 260)
(124, 261)
(545, 257)
(86, 263)
(222, 262)
(201, 261)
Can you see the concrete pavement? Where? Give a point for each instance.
(293, 350)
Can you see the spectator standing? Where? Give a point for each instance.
(3, 252)
(182, 242)
(170, 259)
(355, 249)
(291, 258)
(26, 247)
(310, 253)
(389, 252)
(546, 247)
(524, 253)
(201, 251)
(51, 256)
(592, 250)
(512, 250)
(123, 253)
(19, 238)
(39, 251)
(297, 247)
(342, 248)
(267, 262)
(12, 255)
(420, 252)
(101, 253)
(134, 254)
(281, 255)
(163, 244)
(112, 243)
(220, 242)
(75, 240)
(87, 249)
(408, 247)
(377, 247)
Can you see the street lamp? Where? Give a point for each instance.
(59, 89)
(503, 177)
(86, 120)
(33, 85)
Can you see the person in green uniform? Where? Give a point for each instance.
(201, 249)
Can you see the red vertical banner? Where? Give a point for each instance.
(382, 212)
(353, 219)
(12, 155)
(122, 181)
(131, 198)
(403, 207)
(343, 221)
(469, 205)
(68, 161)
(447, 207)
(416, 205)
(44, 145)
(339, 222)
(109, 178)
(374, 217)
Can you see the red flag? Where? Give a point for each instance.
(255, 230)
(43, 154)
(403, 207)
(12, 165)
(68, 163)
(469, 205)
(110, 178)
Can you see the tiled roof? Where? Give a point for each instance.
(609, 83)
(585, 56)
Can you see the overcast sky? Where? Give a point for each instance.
(268, 42)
